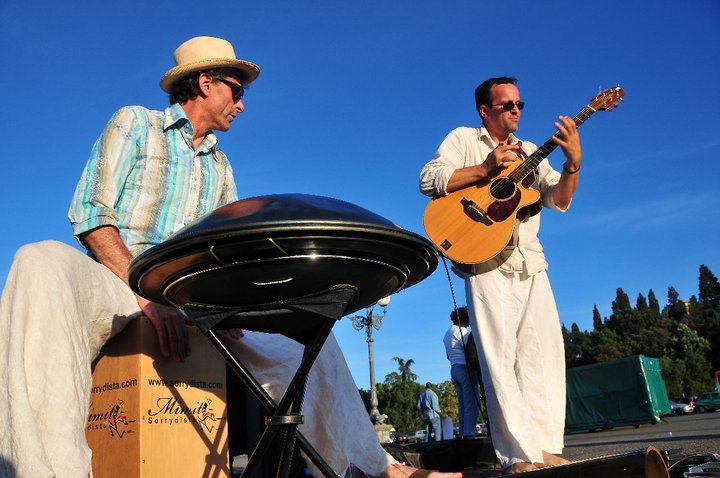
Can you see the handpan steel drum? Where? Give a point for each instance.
(276, 248)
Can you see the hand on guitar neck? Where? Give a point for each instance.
(569, 141)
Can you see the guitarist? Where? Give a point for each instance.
(511, 304)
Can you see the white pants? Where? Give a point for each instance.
(59, 307)
(522, 361)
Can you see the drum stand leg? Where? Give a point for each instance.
(278, 413)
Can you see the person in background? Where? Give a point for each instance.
(429, 405)
(464, 379)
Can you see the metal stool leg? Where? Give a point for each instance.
(294, 389)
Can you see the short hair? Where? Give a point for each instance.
(460, 317)
(428, 385)
(187, 87)
(482, 92)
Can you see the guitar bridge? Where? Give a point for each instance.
(475, 212)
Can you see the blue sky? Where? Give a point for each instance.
(354, 98)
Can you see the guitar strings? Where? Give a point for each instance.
(542, 152)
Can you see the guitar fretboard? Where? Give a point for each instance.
(543, 151)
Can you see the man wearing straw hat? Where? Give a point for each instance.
(149, 174)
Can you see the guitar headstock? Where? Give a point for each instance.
(608, 99)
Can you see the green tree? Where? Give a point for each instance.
(653, 304)
(673, 372)
(650, 340)
(597, 318)
(641, 304)
(399, 403)
(448, 398)
(624, 320)
(608, 346)
(675, 309)
(392, 379)
(621, 303)
(709, 288)
(705, 314)
(578, 346)
(365, 397)
(648, 335)
(689, 367)
(406, 374)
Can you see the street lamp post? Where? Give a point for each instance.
(368, 322)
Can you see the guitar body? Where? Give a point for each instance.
(474, 224)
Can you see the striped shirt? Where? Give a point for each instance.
(145, 177)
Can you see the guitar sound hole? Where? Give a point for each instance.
(502, 189)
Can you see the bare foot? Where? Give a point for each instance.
(552, 460)
(404, 471)
(519, 467)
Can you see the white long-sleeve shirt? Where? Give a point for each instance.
(454, 344)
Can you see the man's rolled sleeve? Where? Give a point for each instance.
(98, 219)
(548, 181)
(436, 174)
(434, 177)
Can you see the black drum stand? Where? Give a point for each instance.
(289, 264)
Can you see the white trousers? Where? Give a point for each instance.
(522, 361)
(57, 310)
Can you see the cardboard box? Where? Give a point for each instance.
(151, 417)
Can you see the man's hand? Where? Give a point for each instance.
(169, 324)
(568, 139)
(500, 158)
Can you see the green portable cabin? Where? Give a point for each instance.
(628, 391)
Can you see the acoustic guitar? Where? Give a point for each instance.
(475, 223)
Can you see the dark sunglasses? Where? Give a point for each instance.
(509, 105)
(237, 89)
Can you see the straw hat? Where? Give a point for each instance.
(204, 53)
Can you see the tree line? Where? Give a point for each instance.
(398, 395)
(684, 335)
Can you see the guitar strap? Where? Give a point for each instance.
(515, 238)
(522, 152)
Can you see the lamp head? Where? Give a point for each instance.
(383, 302)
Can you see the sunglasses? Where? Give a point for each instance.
(509, 105)
(237, 89)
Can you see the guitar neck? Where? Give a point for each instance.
(543, 151)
